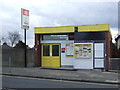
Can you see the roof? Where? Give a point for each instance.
(5, 46)
(67, 29)
(117, 38)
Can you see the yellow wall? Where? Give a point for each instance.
(66, 29)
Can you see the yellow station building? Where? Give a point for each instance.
(77, 46)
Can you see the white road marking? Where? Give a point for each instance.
(111, 81)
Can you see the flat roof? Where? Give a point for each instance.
(69, 29)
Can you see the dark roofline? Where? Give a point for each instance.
(117, 38)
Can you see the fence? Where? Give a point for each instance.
(115, 64)
(14, 57)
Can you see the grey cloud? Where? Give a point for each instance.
(63, 13)
(81, 13)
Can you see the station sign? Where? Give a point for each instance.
(24, 19)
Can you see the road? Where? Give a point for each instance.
(27, 82)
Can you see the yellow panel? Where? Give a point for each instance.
(83, 28)
(46, 62)
(62, 29)
(55, 61)
(97, 27)
(45, 59)
(66, 29)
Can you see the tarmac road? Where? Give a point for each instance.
(25, 82)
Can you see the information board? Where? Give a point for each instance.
(83, 50)
(70, 49)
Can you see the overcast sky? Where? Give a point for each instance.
(45, 13)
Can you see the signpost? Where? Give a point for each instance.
(25, 26)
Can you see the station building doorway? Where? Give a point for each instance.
(50, 55)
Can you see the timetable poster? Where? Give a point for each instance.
(83, 50)
(69, 49)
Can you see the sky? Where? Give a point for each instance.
(44, 13)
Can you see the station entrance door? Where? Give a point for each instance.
(50, 55)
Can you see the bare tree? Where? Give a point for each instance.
(13, 37)
(3, 39)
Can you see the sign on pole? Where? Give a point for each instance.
(24, 19)
(25, 25)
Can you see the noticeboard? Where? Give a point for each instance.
(69, 49)
(83, 50)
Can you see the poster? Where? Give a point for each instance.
(69, 49)
(83, 50)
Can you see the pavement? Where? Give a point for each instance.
(64, 74)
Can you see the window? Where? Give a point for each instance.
(55, 50)
(46, 50)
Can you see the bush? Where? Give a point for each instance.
(115, 51)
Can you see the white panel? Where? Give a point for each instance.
(99, 63)
(83, 63)
(66, 60)
(57, 41)
(99, 49)
(99, 46)
(99, 53)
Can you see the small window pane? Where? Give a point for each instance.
(46, 50)
(55, 50)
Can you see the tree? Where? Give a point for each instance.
(115, 51)
(13, 37)
(3, 39)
